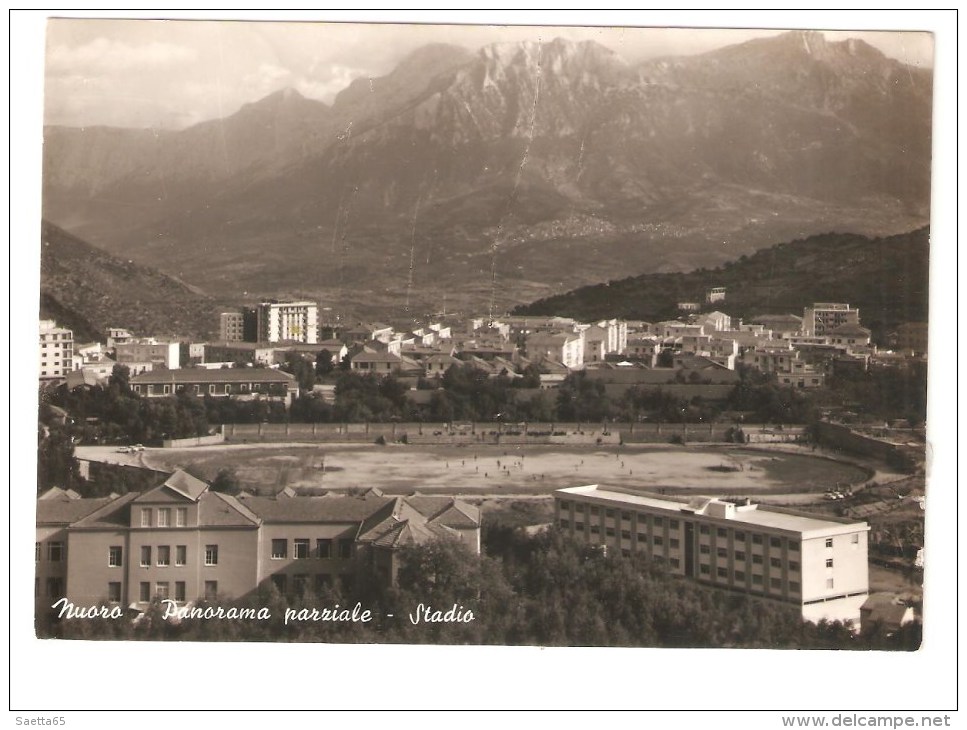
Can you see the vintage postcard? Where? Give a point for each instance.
(475, 334)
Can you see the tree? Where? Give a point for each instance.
(324, 363)
(226, 482)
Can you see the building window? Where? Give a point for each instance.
(722, 552)
(722, 572)
(740, 537)
(829, 582)
(793, 587)
(144, 592)
(703, 529)
(211, 554)
(114, 592)
(211, 590)
(609, 513)
(756, 559)
(740, 555)
(180, 591)
(164, 517)
(756, 579)
(740, 575)
(564, 504)
(114, 555)
(181, 554)
(579, 508)
(829, 562)
(659, 521)
(675, 562)
(594, 511)
(626, 534)
(279, 582)
(775, 542)
(704, 549)
(626, 516)
(579, 526)
(609, 531)
(595, 529)
(721, 532)
(345, 549)
(829, 542)
(658, 540)
(37, 552)
(145, 517)
(166, 389)
(705, 569)
(280, 549)
(164, 556)
(323, 548)
(775, 583)
(775, 562)
(211, 389)
(673, 524)
(757, 539)
(855, 538)
(793, 547)
(181, 517)
(793, 565)
(565, 524)
(300, 548)
(673, 542)
(161, 590)
(55, 552)
(145, 556)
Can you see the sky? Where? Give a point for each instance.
(174, 73)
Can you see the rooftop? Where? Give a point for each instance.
(201, 375)
(750, 514)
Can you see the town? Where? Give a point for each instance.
(279, 375)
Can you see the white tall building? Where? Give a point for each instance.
(823, 317)
(817, 563)
(288, 322)
(56, 350)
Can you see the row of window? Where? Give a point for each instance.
(162, 591)
(757, 580)
(115, 557)
(302, 549)
(300, 582)
(164, 517)
(197, 388)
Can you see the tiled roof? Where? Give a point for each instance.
(330, 508)
(178, 487)
(446, 511)
(114, 514)
(202, 375)
(221, 510)
(65, 511)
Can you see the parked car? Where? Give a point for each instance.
(137, 447)
(125, 450)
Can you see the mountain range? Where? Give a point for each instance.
(465, 180)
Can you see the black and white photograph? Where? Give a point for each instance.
(603, 340)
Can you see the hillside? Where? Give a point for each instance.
(519, 171)
(88, 290)
(886, 278)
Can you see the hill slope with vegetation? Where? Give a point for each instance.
(886, 278)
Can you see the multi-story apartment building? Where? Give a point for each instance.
(288, 322)
(183, 542)
(56, 350)
(161, 354)
(818, 564)
(231, 327)
(823, 317)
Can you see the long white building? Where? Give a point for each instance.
(818, 564)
